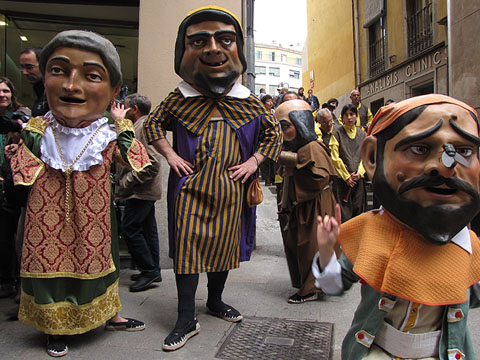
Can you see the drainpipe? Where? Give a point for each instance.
(357, 42)
(249, 79)
(449, 47)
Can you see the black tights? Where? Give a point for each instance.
(186, 289)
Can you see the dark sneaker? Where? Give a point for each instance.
(145, 282)
(136, 277)
(179, 337)
(56, 346)
(297, 299)
(129, 325)
(229, 313)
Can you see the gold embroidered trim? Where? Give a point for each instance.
(66, 318)
(137, 156)
(37, 125)
(50, 275)
(33, 158)
(122, 125)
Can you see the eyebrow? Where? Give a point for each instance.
(474, 139)
(419, 136)
(207, 33)
(86, 63)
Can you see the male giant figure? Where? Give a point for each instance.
(418, 263)
(221, 133)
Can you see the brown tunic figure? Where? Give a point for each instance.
(309, 195)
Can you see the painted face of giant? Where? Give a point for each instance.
(210, 62)
(427, 175)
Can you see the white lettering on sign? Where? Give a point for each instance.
(423, 64)
(382, 83)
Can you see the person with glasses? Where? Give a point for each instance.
(29, 67)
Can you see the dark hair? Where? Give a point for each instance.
(141, 101)
(333, 100)
(289, 92)
(36, 50)
(389, 101)
(350, 107)
(14, 105)
(265, 98)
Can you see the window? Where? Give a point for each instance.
(293, 74)
(376, 41)
(258, 54)
(272, 90)
(273, 71)
(258, 87)
(283, 57)
(419, 25)
(260, 70)
(271, 56)
(298, 61)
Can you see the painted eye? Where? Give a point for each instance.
(94, 77)
(198, 42)
(418, 149)
(55, 70)
(465, 152)
(227, 41)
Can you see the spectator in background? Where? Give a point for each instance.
(140, 190)
(262, 93)
(334, 104)
(267, 101)
(389, 101)
(281, 92)
(29, 59)
(345, 144)
(365, 116)
(312, 100)
(324, 126)
(267, 168)
(289, 95)
(301, 93)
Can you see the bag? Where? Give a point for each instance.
(254, 193)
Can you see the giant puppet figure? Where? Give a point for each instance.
(418, 263)
(221, 133)
(307, 194)
(70, 261)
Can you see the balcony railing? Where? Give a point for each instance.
(377, 57)
(420, 30)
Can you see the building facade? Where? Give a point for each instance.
(276, 67)
(393, 49)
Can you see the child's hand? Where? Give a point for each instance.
(327, 233)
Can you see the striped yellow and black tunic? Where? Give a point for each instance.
(207, 207)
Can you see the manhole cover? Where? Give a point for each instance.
(269, 338)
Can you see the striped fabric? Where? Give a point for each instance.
(194, 113)
(209, 206)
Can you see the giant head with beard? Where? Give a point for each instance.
(422, 157)
(209, 51)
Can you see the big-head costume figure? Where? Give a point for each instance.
(221, 133)
(308, 194)
(70, 261)
(418, 263)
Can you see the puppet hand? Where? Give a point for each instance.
(244, 170)
(118, 111)
(327, 232)
(356, 176)
(179, 165)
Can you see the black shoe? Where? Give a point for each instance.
(56, 346)
(136, 277)
(228, 313)
(129, 325)
(144, 283)
(297, 299)
(179, 337)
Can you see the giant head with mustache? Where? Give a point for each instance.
(209, 50)
(422, 157)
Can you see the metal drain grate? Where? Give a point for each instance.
(276, 339)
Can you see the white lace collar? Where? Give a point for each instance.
(72, 141)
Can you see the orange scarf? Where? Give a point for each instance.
(396, 260)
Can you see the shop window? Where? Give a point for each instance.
(272, 90)
(419, 25)
(375, 105)
(376, 41)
